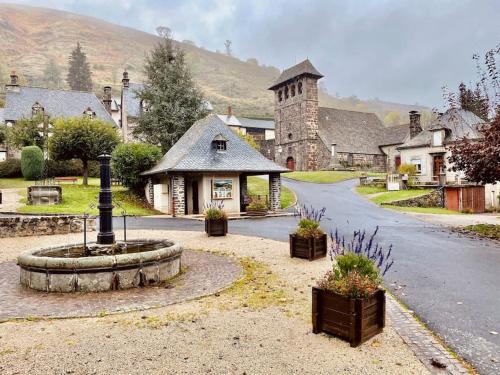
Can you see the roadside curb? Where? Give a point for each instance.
(426, 347)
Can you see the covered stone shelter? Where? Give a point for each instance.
(210, 162)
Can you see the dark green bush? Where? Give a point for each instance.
(32, 162)
(10, 168)
(56, 168)
(129, 160)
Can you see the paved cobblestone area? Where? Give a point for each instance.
(425, 346)
(206, 273)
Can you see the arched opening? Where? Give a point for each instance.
(290, 163)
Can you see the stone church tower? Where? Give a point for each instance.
(296, 117)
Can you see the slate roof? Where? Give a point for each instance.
(257, 123)
(130, 99)
(229, 120)
(303, 68)
(352, 132)
(194, 152)
(459, 123)
(57, 103)
(394, 135)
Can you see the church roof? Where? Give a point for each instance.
(351, 131)
(194, 152)
(303, 68)
(257, 123)
(56, 103)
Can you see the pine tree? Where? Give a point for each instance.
(79, 76)
(171, 101)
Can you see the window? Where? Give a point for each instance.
(299, 88)
(418, 164)
(36, 109)
(222, 189)
(437, 138)
(280, 96)
(89, 113)
(220, 146)
(293, 90)
(333, 149)
(290, 135)
(286, 92)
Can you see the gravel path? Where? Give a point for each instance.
(261, 325)
(10, 200)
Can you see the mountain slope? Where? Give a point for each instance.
(30, 36)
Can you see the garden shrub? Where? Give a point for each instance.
(10, 168)
(129, 160)
(214, 210)
(32, 162)
(59, 168)
(409, 169)
(309, 220)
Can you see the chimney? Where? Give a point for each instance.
(415, 127)
(14, 83)
(229, 111)
(106, 98)
(125, 79)
(14, 79)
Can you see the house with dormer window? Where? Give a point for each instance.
(210, 162)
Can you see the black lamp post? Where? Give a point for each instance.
(106, 235)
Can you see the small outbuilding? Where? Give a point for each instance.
(210, 162)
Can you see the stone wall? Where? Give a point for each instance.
(26, 225)
(366, 162)
(266, 148)
(178, 194)
(274, 192)
(433, 199)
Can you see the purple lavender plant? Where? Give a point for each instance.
(214, 205)
(309, 212)
(360, 244)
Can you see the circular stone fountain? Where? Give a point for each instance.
(100, 268)
(104, 265)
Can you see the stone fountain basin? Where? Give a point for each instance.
(41, 270)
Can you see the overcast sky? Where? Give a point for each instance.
(396, 50)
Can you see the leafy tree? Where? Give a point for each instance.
(392, 118)
(3, 133)
(52, 75)
(474, 101)
(79, 75)
(478, 159)
(32, 163)
(26, 132)
(172, 102)
(82, 138)
(164, 32)
(130, 160)
(227, 45)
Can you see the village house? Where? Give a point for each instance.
(309, 137)
(27, 101)
(210, 162)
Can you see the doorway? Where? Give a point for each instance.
(290, 163)
(397, 162)
(194, 189)
(437, 166)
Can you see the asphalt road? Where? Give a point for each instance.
(452, 283)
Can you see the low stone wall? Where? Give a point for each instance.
(27, 225)
(433, 199)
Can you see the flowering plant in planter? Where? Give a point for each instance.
(349, 301)
(257, 207)
(308, 241)
(215, 219)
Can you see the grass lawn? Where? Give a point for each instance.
(384, 196)
(326, 177)
(485, 230)
(260, 186)
(76, 199)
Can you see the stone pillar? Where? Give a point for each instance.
(274, 191)
(178, 195)
(151, 192)
(243, 191)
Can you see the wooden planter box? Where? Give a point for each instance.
(216, 227)
(354, 320)
(256, 211)
(308, 248)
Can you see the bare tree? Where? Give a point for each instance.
(164, 31)
(228, 44)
